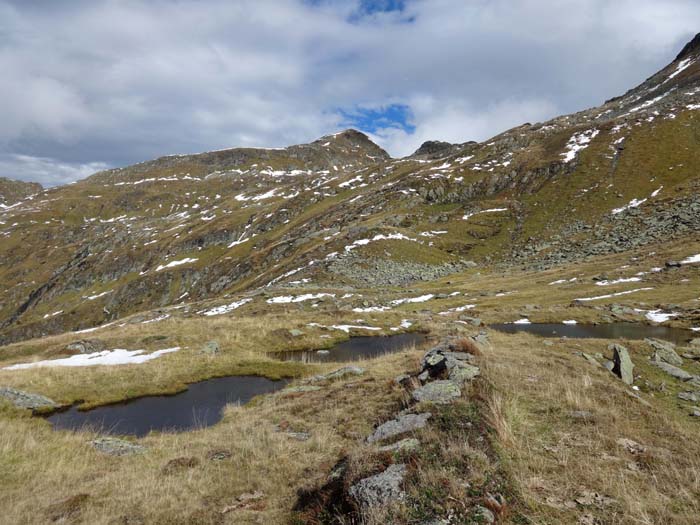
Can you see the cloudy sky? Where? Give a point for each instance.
(89, 84)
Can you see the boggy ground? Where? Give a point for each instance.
(563, 441)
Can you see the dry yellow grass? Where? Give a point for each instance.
(41, 468)
(557, 456)
(540, 455)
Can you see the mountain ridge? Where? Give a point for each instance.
(339, 211)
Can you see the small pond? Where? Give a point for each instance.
(201, 405)
(356, 348)
(599, 331)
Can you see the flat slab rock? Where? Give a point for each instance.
(439, 392)
(117, 447)
(398, 426)
(405, 445)
(341, 373)
(381, 488)
(27, 400)
(673, 371)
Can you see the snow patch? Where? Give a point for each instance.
(613, 294)
(578, 142)
(224, 309)
(285, 299)
(172, 264)
(118, 356)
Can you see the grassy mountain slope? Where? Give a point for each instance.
(593, 217)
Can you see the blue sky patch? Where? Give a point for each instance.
(375, 119)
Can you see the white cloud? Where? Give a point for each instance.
(113, 82)
(47, 171)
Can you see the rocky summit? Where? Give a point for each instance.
(502, 331)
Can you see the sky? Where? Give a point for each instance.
(92, 84)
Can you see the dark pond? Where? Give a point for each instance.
(600, 331)
(356, 348)
(199, 406)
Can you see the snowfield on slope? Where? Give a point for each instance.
(118, 356)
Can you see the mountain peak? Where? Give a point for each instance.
(691, 47)
(354, 138)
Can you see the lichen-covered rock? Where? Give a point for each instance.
(623, 367)
(27, 400)
(673, 371)
(693, 397)
(405, 445)
(439, 392)
(211, 348)
(380, 489)
(464, 373)
(665, 351)
(117, 447)
(400, 425)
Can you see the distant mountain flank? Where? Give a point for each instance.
(13, 191)
(339, 212)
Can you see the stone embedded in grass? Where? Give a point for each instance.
(664, 351)
(218, 455)
(27, 400)
(345, 372)
(589, 498)
(484, 515)
(631, 446)
(583, 416)
(673, 371)
(211, 348)
(405, 445)
(341, 373)
(86, 346)
(380, 489)
(588, 357)
(299, 436)
(439, 392)
(398, 426)
(692, 397)
(117, 447)
(623, 367)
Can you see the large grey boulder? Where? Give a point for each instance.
(439, 392)
(117, 447)
(22, 399)
(622, 364)
(398, 426)
(665, 351)
(380, 489)
(673, 371)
